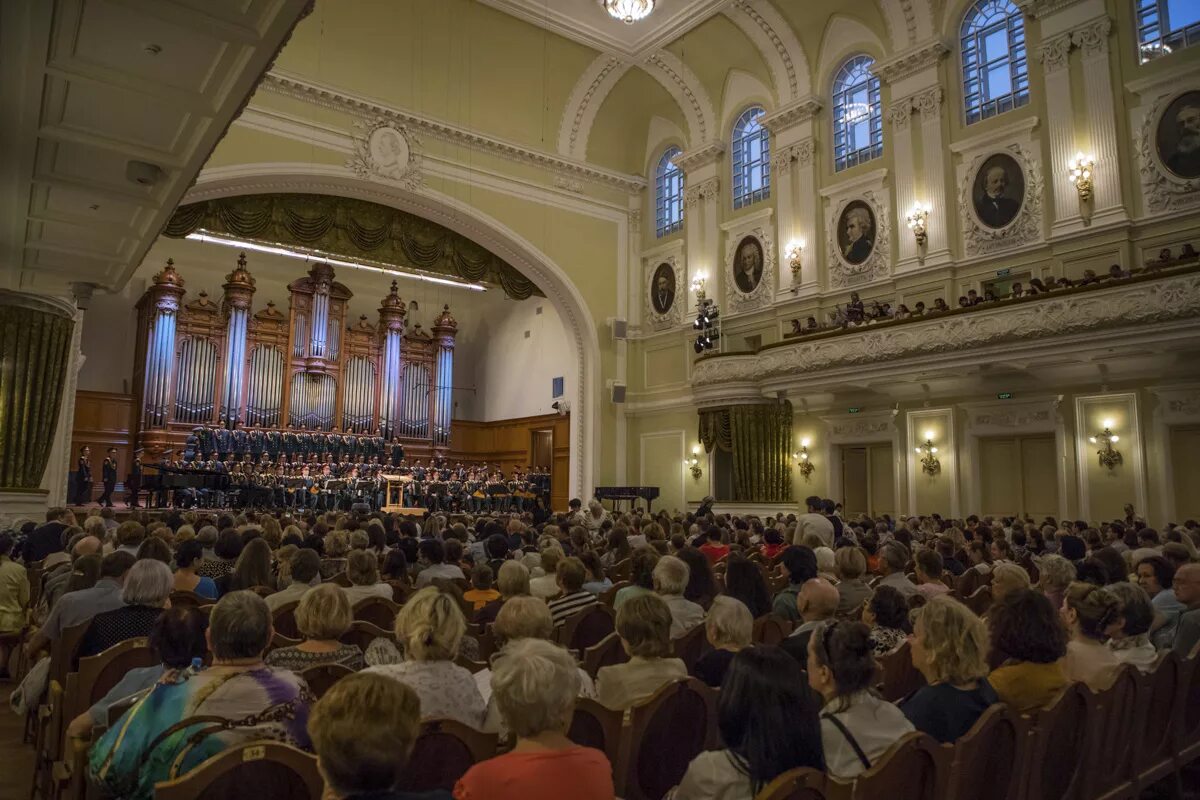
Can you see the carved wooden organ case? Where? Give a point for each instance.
(204, 363)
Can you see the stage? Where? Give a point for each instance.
(123, 511)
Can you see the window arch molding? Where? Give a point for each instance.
(667, 183)
(993, 59)
(749, 157)
(855, 110)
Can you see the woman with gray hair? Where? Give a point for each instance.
(1055, 574)
(670, 580)
(146, 592)
(729, 629)
(1131, 644)
(535, 685)
(256, 702)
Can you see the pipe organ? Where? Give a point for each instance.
(207, 363)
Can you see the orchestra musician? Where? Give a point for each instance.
(108, 474)
(83, 477)
(133, 481)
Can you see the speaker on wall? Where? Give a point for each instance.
(618, 392)
(619, 328)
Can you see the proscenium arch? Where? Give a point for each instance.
(481, 228)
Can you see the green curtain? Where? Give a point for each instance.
(350, 227)
(35, 341)
(714, 429)
(761, 438)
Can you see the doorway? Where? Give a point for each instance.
(867, 480)
(1185, 463)
(541, 449)
(1018, 475)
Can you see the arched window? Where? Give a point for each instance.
(1166, 25)
(995, 71)
(668, 194)
(857, 114)
(751, 159)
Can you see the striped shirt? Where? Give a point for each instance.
(565, 606)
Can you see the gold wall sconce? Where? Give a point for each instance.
(803, 461)
(693, 463)
(795, 249)
(1080, 169)
(1110, 457)
(918, 222)
(929, 462)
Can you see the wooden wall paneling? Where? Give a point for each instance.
(103, 420)
(509, 443)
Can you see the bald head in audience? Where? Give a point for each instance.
(817, 600)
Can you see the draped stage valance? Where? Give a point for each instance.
(353, 228)
(759, 439)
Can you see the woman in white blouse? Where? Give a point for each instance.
(362, 569)
(857, 726)
(430, 627)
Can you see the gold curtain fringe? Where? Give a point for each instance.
(351, 227)
(759, 438)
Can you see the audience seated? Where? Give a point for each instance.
(535, 685)
(597, 581)
(323, 617)
(768, 723)
(850, 564)
(432, 557)
(1029, 641)
(929, 574)
(152, 741)
(363, 731)
(857, 725)
(429, 628)
(893, 558)
(642, 564)
(1008, 577)
(546, 586)
(512, 581)
(14, 596)
(572, 598)
(887, 615)
(1156, 575)
(670, 581)
(187, 557)
(482, 591)
(362, 569)
(1090, 613)
(728, 628)
(1056, 573)
(1131, 642)
(799, 563)
(252, 568)
(745, 583)
(77, 607)
(304, 573)
(145, 593)
(644, 626)
(949, 648)
(701, 584)
(1187, 590)
(817, 604)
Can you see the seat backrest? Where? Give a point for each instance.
(621, 570)
(1191, 696)
(689, 647)
(900, 678)
(597, 726)
(249, 772)
(991, 749)
(443, 752)
(980, 600)
(802, 783)
(1062, 745)
(588, 627)
(401, 590)
(262, 591)
(63, 650)
(379, 611)
(322, 677)
(606, 653)
(770, 629)
(363, 633)
(284, 620)
(609, 595)
(182, 599)
(469, 665)
(341, 579)
(913, 768)
(666, 733)
(1117, 715)
(1158, 696)
(101, 672)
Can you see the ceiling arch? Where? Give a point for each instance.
(683, 85)
(777, 42)
(908, 21)
(844, 36)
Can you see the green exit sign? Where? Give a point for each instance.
(854, 409)
(1003, 273)
(1004, 396)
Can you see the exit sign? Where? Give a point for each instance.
(854, 409)
(1003, 273)
(1004, 396)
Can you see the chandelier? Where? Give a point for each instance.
(628, 11)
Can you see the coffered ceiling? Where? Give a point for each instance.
(111, 107)
(587, 22)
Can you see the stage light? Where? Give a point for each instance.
(209, 238)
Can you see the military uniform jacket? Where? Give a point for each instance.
(109, 470)
(85, 469)
(239, 441)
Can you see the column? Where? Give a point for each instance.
(700, 197)
(444, 329)
(1054, 55)
(792, 164)
(1092, 39)
(55, 480)
(36, 335)
(933, 188)
(239, 291)
(391, 327)
(904, 181)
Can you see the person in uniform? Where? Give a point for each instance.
(256, 442)
(133, 481)
(108, 474)
(397, 451)
(274, 444)
(224, 443)
(83, 477)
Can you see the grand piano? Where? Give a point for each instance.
(616, 494)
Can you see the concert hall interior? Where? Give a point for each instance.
(734, 281)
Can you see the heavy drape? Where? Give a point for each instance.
(759, 439)
(353, 228)
(35, 341)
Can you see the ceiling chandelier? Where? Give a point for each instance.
(628, 11)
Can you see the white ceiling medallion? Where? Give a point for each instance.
(628, 11)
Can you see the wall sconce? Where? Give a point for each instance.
(918, 219)
(698, 284)
(1109, 456)
(1080, 170)
(693, 463)
(929, 463)
(795, 249)
(801, 458)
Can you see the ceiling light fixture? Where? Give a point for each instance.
(208, 238)
(628, 11)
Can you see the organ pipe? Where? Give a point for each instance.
(161, 305)
(391, 323)
(445, 327)
(239, 292)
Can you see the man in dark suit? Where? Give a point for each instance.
(397, 451)
(1185, 161)
(664, 294)
(108, 473)
(133, 482)
(83, 477)
(48, 537)
(994, 209)
(817, 603)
